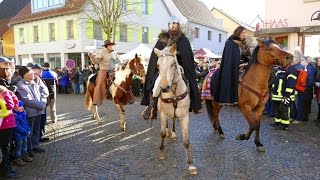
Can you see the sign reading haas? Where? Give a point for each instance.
(273, 23)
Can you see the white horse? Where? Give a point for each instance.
(174, 99)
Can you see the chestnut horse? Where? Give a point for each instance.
(120, 88)
(253, 91)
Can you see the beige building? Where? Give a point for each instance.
(293, 23)
(229, 22)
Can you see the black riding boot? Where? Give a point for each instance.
(146, 113)
(154, 108)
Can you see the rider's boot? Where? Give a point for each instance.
(154, 109)
(146, 113)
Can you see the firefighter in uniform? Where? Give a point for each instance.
(283, 94)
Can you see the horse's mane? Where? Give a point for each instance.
(253, 59)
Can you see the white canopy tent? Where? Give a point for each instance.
(142, 50)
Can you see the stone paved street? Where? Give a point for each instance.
(82, 149)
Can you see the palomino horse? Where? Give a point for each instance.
(120, 88)
(174, 100)
(253, 89)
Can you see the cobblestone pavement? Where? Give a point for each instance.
(82, 149)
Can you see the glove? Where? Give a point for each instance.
(286, 101)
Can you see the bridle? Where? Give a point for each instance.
(174, 99)
(275, 58)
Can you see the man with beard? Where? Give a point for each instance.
(185, 59)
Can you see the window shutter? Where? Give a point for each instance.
(16, 35)
(56, 31)
(40, 35)
(130, 33)
(46, 32)
(139, 6)
(150, 7)
(64, 29)
(31, 35)
(90, 29)
(129, 5)
(139, 34)
(150, 36)
(75, 29)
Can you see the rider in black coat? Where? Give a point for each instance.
(226, 80)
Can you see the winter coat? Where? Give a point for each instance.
(23, 128)
(11, 102)
(64, 79)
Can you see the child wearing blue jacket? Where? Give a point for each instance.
(22, 131)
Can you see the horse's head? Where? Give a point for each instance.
(167, 65)
(271, 54)
(136, 66)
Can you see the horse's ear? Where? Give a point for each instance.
(173, 48)
(136, 56)
(157, 51)
(261, 43)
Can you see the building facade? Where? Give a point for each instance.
(293, 23)
(59, 31)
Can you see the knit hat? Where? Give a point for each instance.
(23, 70)
(36, 66)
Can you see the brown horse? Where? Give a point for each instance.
(253, 91)
(120, 88)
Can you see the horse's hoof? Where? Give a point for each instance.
(167, 133)
(215, 130)
(173, 136)
(261, 149)
(193, 170)
(241, 137)
(221, 136)
(123, 126)
(162, 156)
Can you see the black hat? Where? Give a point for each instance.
(30, 64)
(36, 66)
(108, 42)
(23, 70)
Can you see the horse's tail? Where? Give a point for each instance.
(209, 110)
(88, 100)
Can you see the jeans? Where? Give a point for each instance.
(33, 138)
(75, 88)
(43, 122)
(299, 99)
(21, 148)
(64, 89)
(268, 107)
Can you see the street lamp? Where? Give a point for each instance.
(316, 18)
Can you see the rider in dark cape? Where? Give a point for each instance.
(225, 82)
(185, 59)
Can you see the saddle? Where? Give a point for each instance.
(110, 78)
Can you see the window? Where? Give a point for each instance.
(35, 34)
(197, 32)
(145, 35)
(55, 61)
(220, 37)
(123, 32)
(38, 5)
(123, 4)
(97, 31)
(51, 32)
(70, 33)
(21, 35)
(209, 35)
(144, 4)
(38, 60)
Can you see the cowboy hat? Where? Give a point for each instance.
(108, 42)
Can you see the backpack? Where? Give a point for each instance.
(301, 80)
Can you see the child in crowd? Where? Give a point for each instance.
(21, 133)
(9, 102)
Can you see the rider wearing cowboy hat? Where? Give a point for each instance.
(103, 58)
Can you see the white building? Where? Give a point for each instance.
(54, 30)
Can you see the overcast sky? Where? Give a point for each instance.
(244, 10)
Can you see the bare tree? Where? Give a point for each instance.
(106, 13)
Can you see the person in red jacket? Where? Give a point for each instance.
(6, 130)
